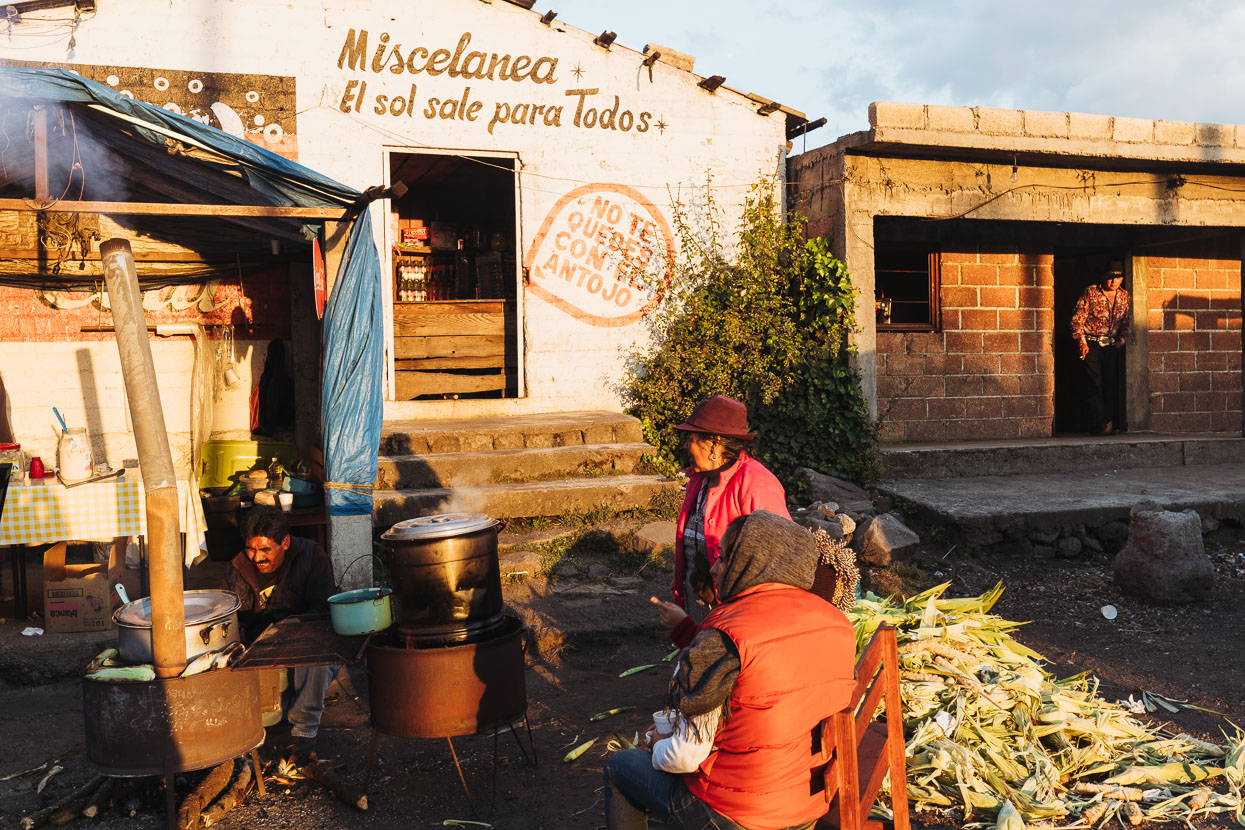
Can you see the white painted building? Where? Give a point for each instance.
(544, 163)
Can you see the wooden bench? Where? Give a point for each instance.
(857, 750)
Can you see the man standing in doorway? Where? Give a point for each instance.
(275, 576)
(1100, 328)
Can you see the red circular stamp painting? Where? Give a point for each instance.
(601, 255)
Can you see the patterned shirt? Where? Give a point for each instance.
(696, 555)
(1098, 317)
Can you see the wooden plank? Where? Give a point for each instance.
(413, 384)
(168, 209)
(469, 362)
(426, 325)
(421, 347)
(41, 153)
(436, 307)
(139, 256)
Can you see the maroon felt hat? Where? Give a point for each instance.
(719, 415)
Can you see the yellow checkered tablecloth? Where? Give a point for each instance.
(36, 514)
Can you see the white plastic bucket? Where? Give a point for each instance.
(73, 455)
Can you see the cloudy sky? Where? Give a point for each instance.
(1140, 58)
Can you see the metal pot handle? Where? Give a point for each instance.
(205, 633)
(355, 561)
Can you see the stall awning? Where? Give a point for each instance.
(177, 160)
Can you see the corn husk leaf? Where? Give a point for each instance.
(577, 751)
(1164, 774)
(609, 713)
(993, 738)
(638, 669)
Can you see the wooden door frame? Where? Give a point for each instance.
(387, 153)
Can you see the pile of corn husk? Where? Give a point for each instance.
(995, 740)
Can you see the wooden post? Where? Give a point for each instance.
(168, 614)
(41, 154)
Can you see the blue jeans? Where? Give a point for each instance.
(634, 790)
(311, 683)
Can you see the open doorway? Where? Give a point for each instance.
(455, 279)
(1075, 270)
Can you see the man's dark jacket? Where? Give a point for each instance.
(304, 584)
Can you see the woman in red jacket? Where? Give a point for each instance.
(724, 483)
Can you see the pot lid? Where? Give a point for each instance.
(440, 526)
(200, 606)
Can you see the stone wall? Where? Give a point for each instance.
(1194, 341)
(989, 373)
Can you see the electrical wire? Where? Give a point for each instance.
(1036, 186)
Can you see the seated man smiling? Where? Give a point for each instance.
(275, 576)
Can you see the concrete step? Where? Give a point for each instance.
(536, 498)
(987, 510)
(1128, 451)
(512, 432)
(458, 469)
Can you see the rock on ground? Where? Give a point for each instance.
(525, 562)
(883, 539)
(1164, 560)
(848, 497)
(653, 537)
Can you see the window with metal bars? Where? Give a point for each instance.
(906, 286)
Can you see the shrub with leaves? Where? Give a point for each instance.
(763, 316)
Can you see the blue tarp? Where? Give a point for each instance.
(354, 351)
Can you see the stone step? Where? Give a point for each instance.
(1129, 451)
(987, 510)
(535, 498)
(458, 469)
(510, 432)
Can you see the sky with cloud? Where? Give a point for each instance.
(1142, 58)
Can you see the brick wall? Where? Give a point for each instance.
(989, 373)
(261, 299)
(1194, 342)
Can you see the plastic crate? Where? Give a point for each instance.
(222, 461)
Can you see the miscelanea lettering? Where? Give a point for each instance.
(462, 62)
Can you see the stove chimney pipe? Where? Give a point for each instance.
(155, 460)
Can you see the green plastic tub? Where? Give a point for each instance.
(222, 461)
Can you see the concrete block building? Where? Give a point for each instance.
(970, 233)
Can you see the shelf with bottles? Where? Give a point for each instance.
(425, 279)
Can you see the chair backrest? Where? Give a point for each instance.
(857, 751)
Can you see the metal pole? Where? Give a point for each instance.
(168, 614)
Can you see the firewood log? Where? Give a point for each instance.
(78, 797)
(202, 795)
(323, 772)
(232, 798)
(100, 798)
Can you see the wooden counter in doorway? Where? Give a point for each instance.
(453, 348)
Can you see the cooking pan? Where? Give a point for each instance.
(211, 624)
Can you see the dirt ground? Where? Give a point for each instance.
(1191, 652)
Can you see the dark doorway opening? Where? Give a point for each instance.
(1075, 270)
(455, 277)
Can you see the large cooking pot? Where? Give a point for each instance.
(446, 579)
(211, 624)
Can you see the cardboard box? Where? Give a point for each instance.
(443, 237)
(415, 236)
(79, 597)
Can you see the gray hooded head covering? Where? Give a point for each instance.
(767, 548)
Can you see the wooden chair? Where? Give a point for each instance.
(858, 750)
